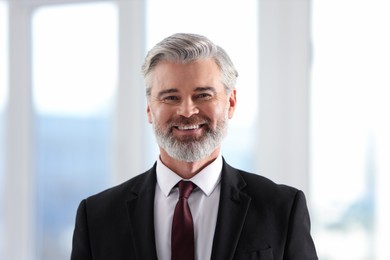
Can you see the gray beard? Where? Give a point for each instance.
(191, 149)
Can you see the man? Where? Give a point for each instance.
(226, 213)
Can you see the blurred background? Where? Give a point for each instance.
(313, 109)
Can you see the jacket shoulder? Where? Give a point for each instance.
(127, 190)
(257, 182)
(261, 188)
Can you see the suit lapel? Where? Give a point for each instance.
(140, 208)
(233, 207)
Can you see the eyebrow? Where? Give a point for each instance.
(201, 89)
(167, 91)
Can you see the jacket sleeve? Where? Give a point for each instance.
(299, 243)
(81, 249)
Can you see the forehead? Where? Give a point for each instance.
(199, 73)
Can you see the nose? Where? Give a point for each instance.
(187, 108)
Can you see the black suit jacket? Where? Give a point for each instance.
(257, 219)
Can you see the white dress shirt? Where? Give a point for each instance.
(203, 203)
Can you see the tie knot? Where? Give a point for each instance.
(185, 188)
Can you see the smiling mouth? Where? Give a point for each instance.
(188, 127)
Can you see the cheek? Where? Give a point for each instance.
(157, 115)
(216, 113)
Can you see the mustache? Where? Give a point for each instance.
(188, 121)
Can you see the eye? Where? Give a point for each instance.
(170, 99)
(203, 96)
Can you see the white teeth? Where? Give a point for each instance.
(189, 127)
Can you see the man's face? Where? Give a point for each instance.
(189, 108)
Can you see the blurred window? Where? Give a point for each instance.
(234, 26)
(3, 101)
(74, 83)
(351, 129)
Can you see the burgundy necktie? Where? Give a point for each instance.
(183, 226)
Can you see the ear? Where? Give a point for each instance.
(232, 103)
(149, 113)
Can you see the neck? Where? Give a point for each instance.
(187, 170)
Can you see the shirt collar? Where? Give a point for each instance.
(207, 179)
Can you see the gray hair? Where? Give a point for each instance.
(186, 48)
